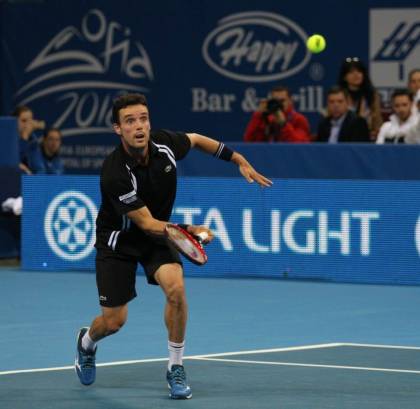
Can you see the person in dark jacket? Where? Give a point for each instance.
(341, 124)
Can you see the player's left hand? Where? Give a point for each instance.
(196, 230)
(251, 175)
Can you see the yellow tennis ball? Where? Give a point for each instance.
(316, 43)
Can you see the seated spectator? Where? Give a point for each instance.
(277, 121)
(364, 99)
(414, 87)
(48, 160)
(28, 142)
(341, 124)
(404, 124)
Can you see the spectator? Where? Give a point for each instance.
(341, 124)
(414, 80)
(403, 125)
(277, 121)
(48, 160)
(414, 87)
(28, 142)
(364, 99)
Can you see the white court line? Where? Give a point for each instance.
(210, 357)
(266, 351)
(139, 361)
(379, 346)
(359, 368)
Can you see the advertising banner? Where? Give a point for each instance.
(334, 230)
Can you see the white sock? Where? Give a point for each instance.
(87, 343)
(176, 352)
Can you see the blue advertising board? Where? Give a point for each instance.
(334, 230)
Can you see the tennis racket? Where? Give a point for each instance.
(187, 244)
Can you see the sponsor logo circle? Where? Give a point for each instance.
(256, 46)
(417, 235)
(69, 225)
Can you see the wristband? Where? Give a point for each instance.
(223, 152)
(183, 226)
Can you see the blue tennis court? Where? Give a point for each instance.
(250, 344)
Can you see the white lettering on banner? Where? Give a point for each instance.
(342, 235)
(247, 233)
(309, 99)
(256, 46)
(214, 217)
(365, 218)
(275, 230)
(204, 102)
(288, 233)
(188, 213)
(313, 240)
(257, 52)
(417, 235)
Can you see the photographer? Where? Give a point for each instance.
(277, 121)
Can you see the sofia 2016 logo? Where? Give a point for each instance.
(75, 76)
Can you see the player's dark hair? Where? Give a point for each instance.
(367, 90)
(402, 92)
(123, 102)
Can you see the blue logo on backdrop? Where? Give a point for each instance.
(69, 225)
(256, 46)
(394, 46)
(74, 74)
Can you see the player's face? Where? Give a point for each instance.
(402, 107)
(354, 78)
(337, 105)
(134, 127)
(414, 83)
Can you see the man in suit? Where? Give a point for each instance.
(341, 124)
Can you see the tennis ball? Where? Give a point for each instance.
(316, 43)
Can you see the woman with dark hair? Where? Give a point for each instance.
(364, 99)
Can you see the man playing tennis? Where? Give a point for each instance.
(138, 188)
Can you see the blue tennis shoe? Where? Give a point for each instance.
(177, 382)
(85, 361)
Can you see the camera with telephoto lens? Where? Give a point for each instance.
(274, 105)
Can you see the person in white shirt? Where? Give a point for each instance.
(404, 124)
(414, 87)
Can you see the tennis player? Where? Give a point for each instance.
(138, 187)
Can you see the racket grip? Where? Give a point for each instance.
(202, 236)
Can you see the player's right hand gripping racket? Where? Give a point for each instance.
(187, 244)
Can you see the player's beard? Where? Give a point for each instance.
(139, 153)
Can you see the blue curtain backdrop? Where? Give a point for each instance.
(204, 65)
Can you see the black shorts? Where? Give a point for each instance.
(116, 272)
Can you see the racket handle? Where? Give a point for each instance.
(202, 236)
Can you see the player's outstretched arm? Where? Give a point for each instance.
(219, 150)
(248, 172)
